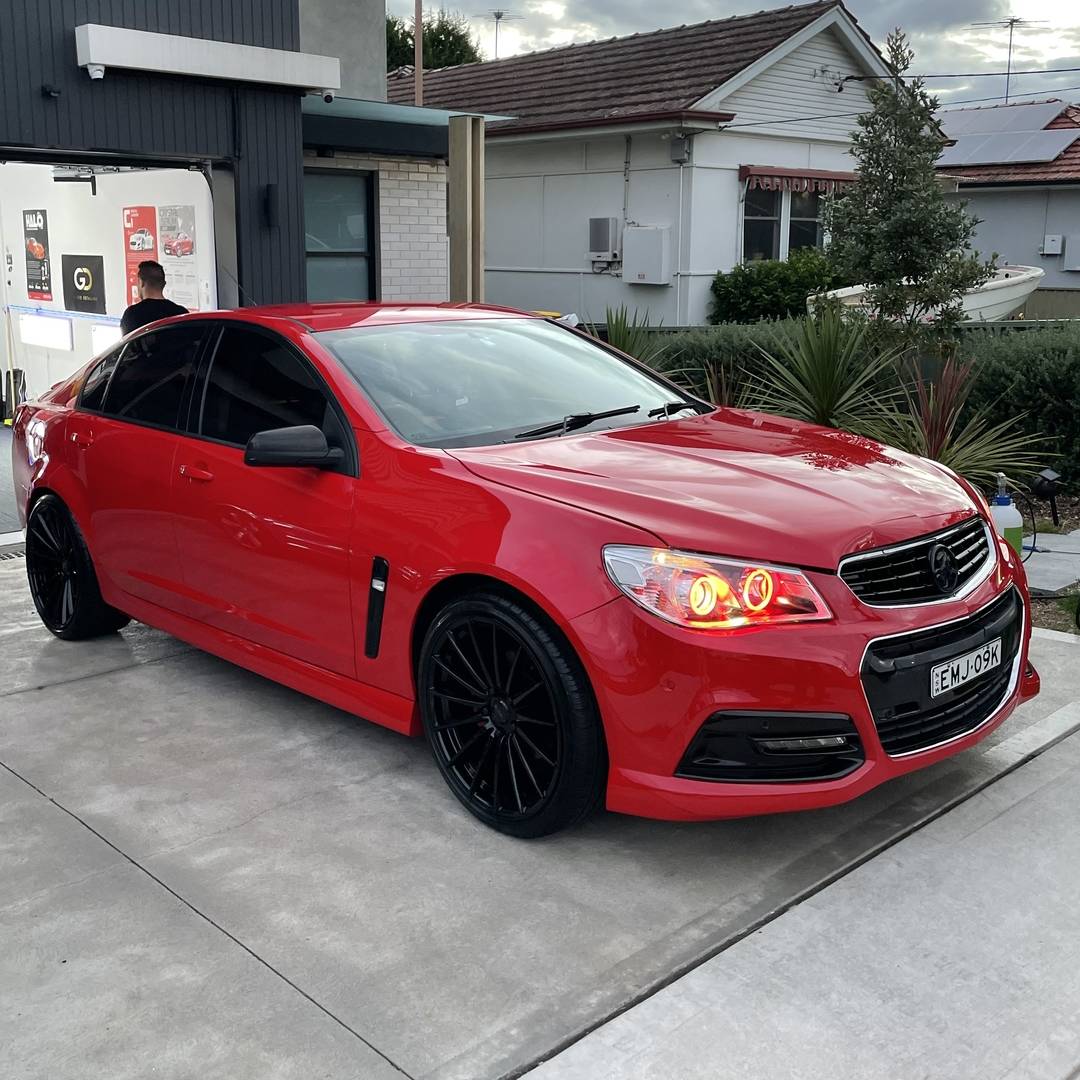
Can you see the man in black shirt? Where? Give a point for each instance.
(152, 304)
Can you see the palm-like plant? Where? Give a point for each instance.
(632, 334)
(974, 445)
(823, 371)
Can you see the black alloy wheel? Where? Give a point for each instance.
(510, 717)
(61, 575)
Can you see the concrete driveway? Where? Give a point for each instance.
(203, 874)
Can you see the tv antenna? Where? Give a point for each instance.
(1011, 24)
(498, 15)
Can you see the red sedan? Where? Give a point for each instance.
(180, 244)
(581, 584)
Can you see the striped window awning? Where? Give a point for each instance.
(771, 178)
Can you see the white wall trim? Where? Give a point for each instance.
(836, 19)
(174, 54)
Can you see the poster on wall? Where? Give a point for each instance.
(140, 242)
(36, 242)
(177, 225)
(84, 283)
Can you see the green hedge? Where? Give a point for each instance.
(771, 288)
(1036, 372)
(1031, 371)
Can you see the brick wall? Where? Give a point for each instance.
(412, 223)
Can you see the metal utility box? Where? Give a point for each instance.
(1052, 244)
(1072, 252)
(604, 239)
(647, 255)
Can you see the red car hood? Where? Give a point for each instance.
(737, 483)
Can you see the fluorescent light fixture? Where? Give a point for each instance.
(46, 331)
(102, 335)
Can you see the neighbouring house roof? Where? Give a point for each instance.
(1063, 168)
(644, 77)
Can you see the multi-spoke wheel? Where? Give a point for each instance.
(61, 575)
(510, 717)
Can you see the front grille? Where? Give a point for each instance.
(896, 678)
(902, 575)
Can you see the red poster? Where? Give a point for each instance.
(140, 243)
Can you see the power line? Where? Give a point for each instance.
(968, 74)
(860, 112)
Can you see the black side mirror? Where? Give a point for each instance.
(304, 446)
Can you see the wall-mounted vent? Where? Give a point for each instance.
(604, 240)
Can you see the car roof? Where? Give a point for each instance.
(341, 316)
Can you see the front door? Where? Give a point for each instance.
(265, 551)
(123, 441)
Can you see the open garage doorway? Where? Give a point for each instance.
(71, 239)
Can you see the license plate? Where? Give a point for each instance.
(962, 669)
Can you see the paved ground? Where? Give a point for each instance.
(205, 874)
(1054, 565)
(952, 956)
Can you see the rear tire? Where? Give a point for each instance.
(510, 716)
(61, 576)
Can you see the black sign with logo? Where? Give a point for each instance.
(84, 283)
(36, 244)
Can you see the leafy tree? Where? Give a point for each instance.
(894, 230)
(399, 43)
(448, 41)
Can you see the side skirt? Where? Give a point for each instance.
(368, 702)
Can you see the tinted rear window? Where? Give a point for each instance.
(153, 374)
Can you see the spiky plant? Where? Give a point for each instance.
(631, 334)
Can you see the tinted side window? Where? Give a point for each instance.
(93, 391)
(256, 384)
(151, 377)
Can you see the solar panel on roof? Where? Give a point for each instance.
(997, 121)
(1009, 148)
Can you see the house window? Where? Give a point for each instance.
(338, 235)
(776, 223)
(804, 220)
(761, 225)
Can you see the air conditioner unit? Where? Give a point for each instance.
(604, 239)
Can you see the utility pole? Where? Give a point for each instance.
(418, 51)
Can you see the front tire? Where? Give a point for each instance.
(510, 717)
(61, 574)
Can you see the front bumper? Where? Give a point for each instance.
(657, 685)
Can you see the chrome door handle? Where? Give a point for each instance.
(194, 473)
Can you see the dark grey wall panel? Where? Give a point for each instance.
(255, 129)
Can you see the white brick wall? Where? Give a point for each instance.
(412, 239)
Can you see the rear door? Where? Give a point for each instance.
(266, 550)
(123, 440)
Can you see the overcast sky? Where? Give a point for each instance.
(940, 32)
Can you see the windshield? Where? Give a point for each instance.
(483, 381)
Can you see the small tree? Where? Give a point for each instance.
(893, 230)
(448, 41)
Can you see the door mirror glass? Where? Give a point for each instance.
(301, 446)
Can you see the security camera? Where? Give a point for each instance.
(95, 71)
(328, 96)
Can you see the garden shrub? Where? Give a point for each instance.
(771, 288)
(1035, 372)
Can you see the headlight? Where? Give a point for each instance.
(706, 593)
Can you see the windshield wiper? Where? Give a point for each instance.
(670, 407)
(575, 421)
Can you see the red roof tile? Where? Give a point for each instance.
(1064, 169)
(603, 82)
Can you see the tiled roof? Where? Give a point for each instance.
(1065, 168)
(603, 82)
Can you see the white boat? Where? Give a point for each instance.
(997, 298)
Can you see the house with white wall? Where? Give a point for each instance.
(1017, 167)
(636, 168)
